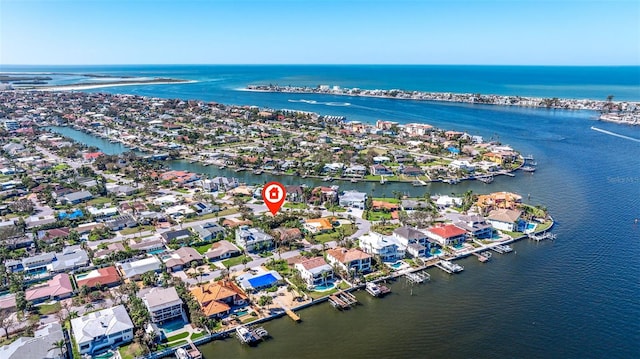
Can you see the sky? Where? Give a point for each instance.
(497, 32)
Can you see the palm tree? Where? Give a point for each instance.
(244, 261)
(60, 345)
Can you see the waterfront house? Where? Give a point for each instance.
(133, 270)
(447, 235)
(253, 239)
(162, 303)
(97, 278)
(71, 257)
(495, 200)
(315, 271)
(416, 242)
(294, 193)
(355, 171)
(181, 258)
(107, 328)
(217, 299)
(380, 170)
(222, 250)
(354, 199)
(259, 278)
(57, 288)
(504, 219)
(410, 171)
(40, 345)
(387, 247)
(411, 205)
(349, 259)
(475, 226)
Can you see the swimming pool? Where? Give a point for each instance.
(530, 227)
(78, 276)
(324, 287)
(397, 265)
(106, 355)
(157, 251)
(241, 312)
(264, 280)
(172, 326)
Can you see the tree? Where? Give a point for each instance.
(6, 321)
(265, 300)
(24, 206)
(245, 260)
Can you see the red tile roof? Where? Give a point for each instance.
(448, 231)
(108, 275)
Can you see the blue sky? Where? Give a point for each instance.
(516, 32)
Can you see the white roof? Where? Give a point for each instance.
(103, 322)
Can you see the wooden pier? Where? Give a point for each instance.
(483, 257)
(193, 351)
(292, 314)
(542, 236)
(342, 300)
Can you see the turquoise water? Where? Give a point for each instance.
(157, 251)
(242, 312)
(397, 265)
(172, 326)
(531, 226)
(263, 280)
(590, 184)
(324, 287)
(104, 356)
(80, 276)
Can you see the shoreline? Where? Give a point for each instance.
(81, 87)
(226, 333)
(622, 112)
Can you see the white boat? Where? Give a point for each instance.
(182, 353)
(528, 168)
(376, 290)
(328, 179)
(454, 268)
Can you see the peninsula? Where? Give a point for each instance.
(622, 112)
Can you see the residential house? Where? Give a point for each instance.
(149, 244)
(349, 259)
(447, 235)
(71, 257)
(476, 226)
(57, 288)
(51, 235)
(412, 205)
(288, 234)
(205, 208)
(118, 223)
(111, 248)
(355, 171)
(387, 247)
(253, 239)
(380, 170)
(40, 346)
(495, 200)
(416, 242)
(103, 329)
(135, 269)
(181, 258)
(97, 278)
(294, 193)
(8, 302)
(354, 199)
(222, 250)
(75, 197)
(410, 171)
(162, 303)
(317, 225)
(504, 219)
(122, 190)
(315, 271)
(259, 278)
(217, 299)
(177, 235)
(209, 231)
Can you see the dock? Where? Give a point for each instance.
(342, 300)
(251, 335)
(502, 249)
(417, 277)
(449, 267)
(542, 236)
(483, 257)
(292, 314)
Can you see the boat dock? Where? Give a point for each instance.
(483, 257)
(251, 335)
(376, 290)
(502, 249)
(417, 277)
(449, 267)
(342, 300)
(542, 236)
(292, 314)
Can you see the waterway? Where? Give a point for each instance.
(575, 297)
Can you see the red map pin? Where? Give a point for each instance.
(273, 195)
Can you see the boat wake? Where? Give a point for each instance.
(615, 134)
(313, 102)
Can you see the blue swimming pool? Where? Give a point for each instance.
(241, 312)
(172, 326)
(323, 287)
(397, 264)
(265, 280)
(531, 227)
(157, 251)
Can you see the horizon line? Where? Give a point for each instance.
(320, 64)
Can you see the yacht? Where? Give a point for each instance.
(376, 290)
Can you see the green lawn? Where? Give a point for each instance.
(195, 336)
(46, 309)
(378, 216)
(348, 229)
(61, 167)
(182, 190)
(225, 212)
(203, 248)
(336, 209)
(234, 261)
(293, 205)
(249, 320)
(385, 229)
(134, 230)
(388, 200)
(99, 200)
(177, 337)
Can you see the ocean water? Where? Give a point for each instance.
(576, 297)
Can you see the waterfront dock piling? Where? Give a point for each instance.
(483, 257)
(342, 300)
(502, 249)
(541, 236)
(417, 277)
